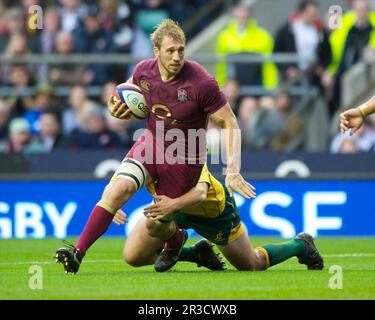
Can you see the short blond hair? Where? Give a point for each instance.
(168, 28)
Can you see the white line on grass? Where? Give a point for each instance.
(342, 255)
(52, 262)
(348, 255)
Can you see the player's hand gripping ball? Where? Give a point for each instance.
(132, 96)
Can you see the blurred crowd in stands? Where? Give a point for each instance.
(43, 121)
(327, 46)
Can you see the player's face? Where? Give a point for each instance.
(171, 55)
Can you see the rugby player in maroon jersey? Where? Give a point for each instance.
(181, 95)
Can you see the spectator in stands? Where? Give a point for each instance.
(351, 43)
(92, 38)
(26, 4)
(15, 24)
(348, 145)
(42, 102)
(72, 115)
(71, 13)
(19, 77)
(243, 36)
(246, 111)
(147, 15)
(51, 26)
(304, 34)
(65, 73)
(150, 13)
(290, 137)
(258, 124)
(17, 46)
(4, 117)
(327, 78)
(49, 133)
(117, 20)
(267, 102)
(128, 37)
(364, 138)
(3, 29)
(95, 135)
(20, 139)
(47, 38)
(185, 11)
(232, 92)
(30, 19)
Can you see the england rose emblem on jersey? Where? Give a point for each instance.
(182, 95)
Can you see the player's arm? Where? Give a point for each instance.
(165, 206)
(226, 119)
(368, 107)
(354, 117)
(120, 110)
(352, 120)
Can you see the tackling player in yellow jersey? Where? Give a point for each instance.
(211, 212)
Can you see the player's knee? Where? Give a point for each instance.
(133, 259)
(132, 171)
(252, 266)
(261, 260)
(124, 187)
(119, 192)
(157, 229)
(153, 228)
(247, 267)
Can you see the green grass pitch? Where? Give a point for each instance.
(103, 275)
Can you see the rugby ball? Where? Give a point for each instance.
(132, 96)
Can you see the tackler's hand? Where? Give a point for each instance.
(120, 217)
(235, 181)
(163, 208)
